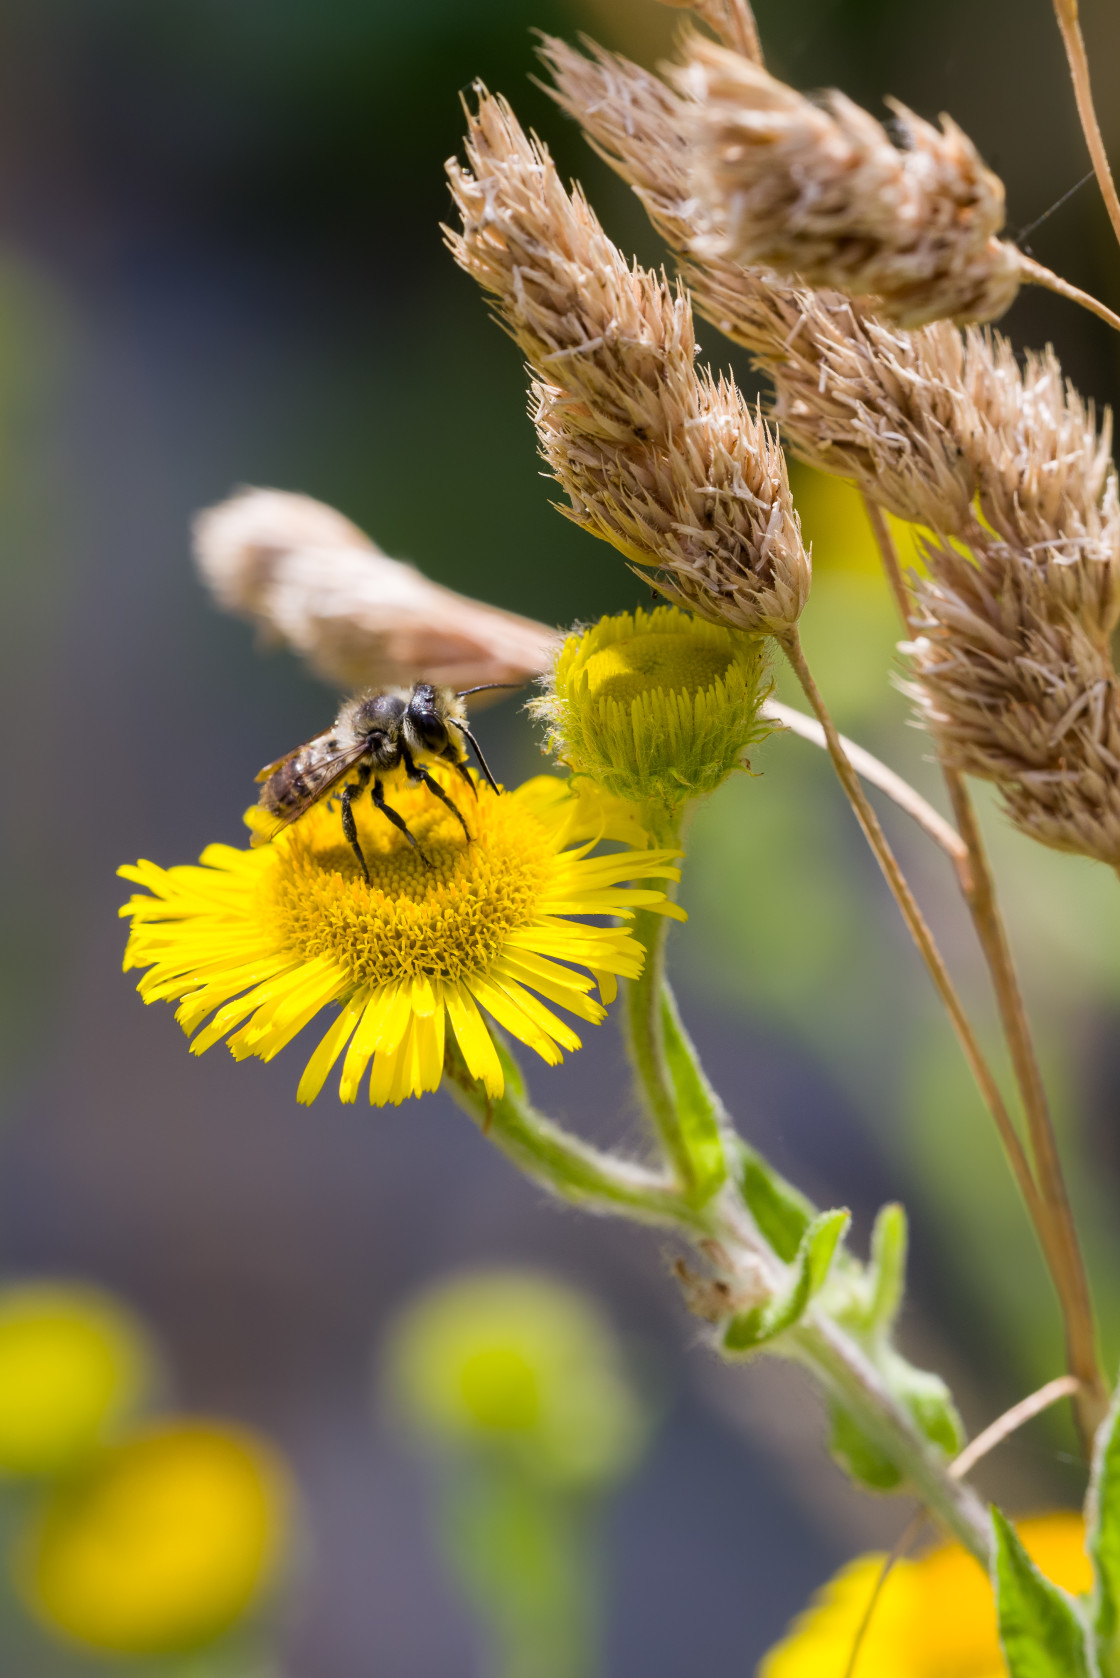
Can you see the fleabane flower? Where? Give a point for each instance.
(935, 1617)
(656, 707)
(258, 942)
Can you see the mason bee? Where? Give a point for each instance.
(374, 733)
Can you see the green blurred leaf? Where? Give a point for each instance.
(782, 1213)
(928, 1400)
(1040, 1628)
(889, 1241)
(814, 1258)
(697, 1108)
(859, 1455)
(1102, 1508)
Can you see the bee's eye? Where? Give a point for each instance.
(430, 728)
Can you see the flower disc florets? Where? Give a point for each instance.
(657, 707)
(264, 939)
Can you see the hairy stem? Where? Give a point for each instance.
(571, 1168)
(841, 1367)
(603, 1182)
(1050, 1208)
(919, 930)
(645, 1040)
(1069, 23)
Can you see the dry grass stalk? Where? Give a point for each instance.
(933, 425)
(312, 581)
(661, 460)
(819, 192)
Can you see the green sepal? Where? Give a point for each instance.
(811, 1266)
(928, 1400)
(1102, 1539)
(929, 1403)
(781, 1212)
(859, 1455)
(1041, 1630)
(697, 1109)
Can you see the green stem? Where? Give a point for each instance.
(842, 1368)
(643, 1003)
(645, 1038)
(586, 1176)
(527, 1557)
(570, 1167)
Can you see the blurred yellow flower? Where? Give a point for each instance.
(163, 1544)
(270, 937)
(935, 1617)
(73, 1364)
(510, 1361)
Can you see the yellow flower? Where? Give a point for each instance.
(73, 1365)
(519, 1364)
(656, 706)
(264, 939)
(935, 1617)
(164, 1544)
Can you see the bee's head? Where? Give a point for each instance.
(428, 710)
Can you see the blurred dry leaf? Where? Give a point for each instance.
(314, 582)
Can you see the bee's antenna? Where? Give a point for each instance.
(475, 747)
(487, 687)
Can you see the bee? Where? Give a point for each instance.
(376, 732)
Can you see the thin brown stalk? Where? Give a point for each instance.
(1052, 1213)
(1010, 1422)
(1069, 23)
(917, 925)
(1036, 274)
(885, 541)
(879, 775)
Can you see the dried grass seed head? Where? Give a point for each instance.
(1019, 692)
(819, 191)
(310, 580)
(662, 461)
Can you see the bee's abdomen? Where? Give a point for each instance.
(296, 783)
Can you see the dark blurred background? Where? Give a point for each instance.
(221, 264)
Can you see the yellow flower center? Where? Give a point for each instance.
(626, 669)
(441, 919)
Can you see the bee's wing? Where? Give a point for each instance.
(278, 762)
(331, 770)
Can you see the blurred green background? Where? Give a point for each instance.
(220, 264)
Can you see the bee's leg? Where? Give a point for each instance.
(416, 772)
(458, 763)
(349, 827)
(398, 821)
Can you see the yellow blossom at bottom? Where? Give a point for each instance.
(163, 1544)
(264, 939)
(935, 1617)
(74, 1364)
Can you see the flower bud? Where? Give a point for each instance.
(658, 707)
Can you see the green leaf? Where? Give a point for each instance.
(1040, 1626)
(889, 1240)
(811, 1266)
(1102, 1513)
(859, 1455)
(782, 1213)
(927, 1398)
(697, 1108)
